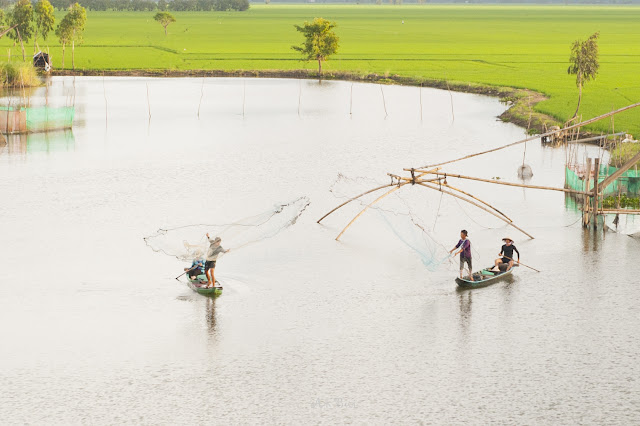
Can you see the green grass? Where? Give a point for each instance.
(516, 46)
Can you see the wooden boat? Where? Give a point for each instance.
(484, 277)
(199, 285)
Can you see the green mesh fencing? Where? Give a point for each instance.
(49, 118)
(628, 183)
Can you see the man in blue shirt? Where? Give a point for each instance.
(464, 252)
(197, 268)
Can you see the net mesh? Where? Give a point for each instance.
(190, 243)
(404, 216)
(49, 118)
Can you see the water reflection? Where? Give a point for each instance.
(45, 142)
(210, 316)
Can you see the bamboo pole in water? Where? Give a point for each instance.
(384, 103)
(478, 206)
(596, 193)
(585, 205)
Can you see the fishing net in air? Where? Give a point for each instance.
(404, 216)
(190, 243)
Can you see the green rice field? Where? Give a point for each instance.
(516, 46)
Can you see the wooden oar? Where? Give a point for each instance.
(520, 263)
(186, 271)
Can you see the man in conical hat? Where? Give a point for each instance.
(506, 254)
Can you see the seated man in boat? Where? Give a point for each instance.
(212, 255)
(197, 268)
(465, 253)
(506, 255)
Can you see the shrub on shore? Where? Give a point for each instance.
(19, 74)
(623, 153)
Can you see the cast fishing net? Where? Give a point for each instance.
(405, 216)
(190, 243)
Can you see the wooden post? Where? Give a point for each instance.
(596, 193)
(585, 206)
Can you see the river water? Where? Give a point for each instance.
(94, 329)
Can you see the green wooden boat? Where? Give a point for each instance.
(484, 277)
(199, 285)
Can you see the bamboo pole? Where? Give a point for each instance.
(585, 206)
(583, 123)
(367, 207)
(354, 198)
(620, 171)
(596, 193)
(521, 185)
(620, 211)
(520, 263)
(477, 199)
(370, 191)
(478, 206)
(384, 103)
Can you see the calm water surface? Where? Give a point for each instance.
(94, 329)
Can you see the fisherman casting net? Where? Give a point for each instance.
(190, 243)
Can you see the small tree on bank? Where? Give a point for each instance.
(71, 29)
(63, 32)
(22, 16)
(45, 21)
(165, 18)
(320, 40)
(584, 63)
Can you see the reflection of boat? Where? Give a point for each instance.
(199, 285)
(484, 277)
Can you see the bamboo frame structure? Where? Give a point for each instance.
(520, 185)
(370, 191)
(367, 207)
(480, 207)
(434, 169)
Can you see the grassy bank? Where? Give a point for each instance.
(18, 74)
(466, 45)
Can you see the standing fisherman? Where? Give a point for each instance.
(465, 253)
(212, 255)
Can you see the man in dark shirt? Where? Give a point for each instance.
(506, 254)
(465, 253)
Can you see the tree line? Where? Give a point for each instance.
(24, 21)
(149, 5)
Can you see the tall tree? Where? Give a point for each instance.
(165, 18)
(45, 21)
(584, 63)
(78, 18)
(63, 32)
(162, 5)
(21, 15)
(320, 40)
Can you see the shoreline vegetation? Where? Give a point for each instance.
(18, 74)
(521, 102)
